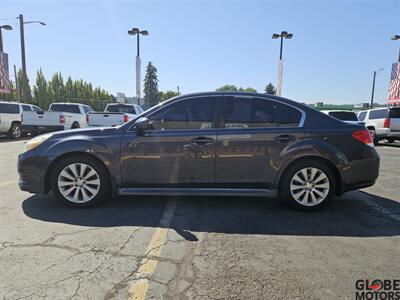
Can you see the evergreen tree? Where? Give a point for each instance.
(150, 86)
(40, 90)
(57, 87)
(270, 89)
(162, 96)
(28, 96)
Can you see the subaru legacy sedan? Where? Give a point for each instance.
(219, 144)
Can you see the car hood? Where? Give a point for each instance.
(97, 131)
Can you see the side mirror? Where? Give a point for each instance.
(142, 124)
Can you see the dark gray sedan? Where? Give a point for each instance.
(236, 144)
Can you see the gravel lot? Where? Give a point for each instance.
(188, 247)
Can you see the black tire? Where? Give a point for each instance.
(285, 184)
(375, 138)
(75, 125)
(15, 131)
(390, 140)
(103, 191)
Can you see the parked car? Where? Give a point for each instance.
(383, 123)
(344, 115)
(114, 114)
(236, 144)
(76, 113)
(11, 117)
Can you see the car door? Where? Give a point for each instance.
(254, 134)
(178, 150)
(9, 112)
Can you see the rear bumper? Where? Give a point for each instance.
(41, 128)
(31, 173)
(361, 173)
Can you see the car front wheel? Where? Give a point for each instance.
(80, 181)
(308, 185)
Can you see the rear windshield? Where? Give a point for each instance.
(121, 108)
(65, 108)
(394, 113)
(344, 115)
(378, 114)
(9, 108)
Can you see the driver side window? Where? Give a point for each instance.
(195, 113)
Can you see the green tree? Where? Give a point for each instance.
(28, 96)
(270, 89)
(12, 96)
(227, 88)
(162, 96)
(248, 89)
(56, 85)
(150, 86)
(41, 91)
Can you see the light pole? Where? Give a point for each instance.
(373, 88)
(395, 38)
(137, 32)
(5, 27)
(24, 76)
(282, 35)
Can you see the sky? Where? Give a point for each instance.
(202, 45)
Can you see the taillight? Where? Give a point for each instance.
(363, 136)
(386, 123)
(87, 119)
(126, 118)
(62, 119)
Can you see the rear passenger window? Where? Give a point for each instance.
(9, 108)
(394, 113)
(26, 108)
(378, 114)
(259, 113)
(362, 115)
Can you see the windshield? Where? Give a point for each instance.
(344, 115)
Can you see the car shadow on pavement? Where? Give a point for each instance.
(5, 139)
(350, 215)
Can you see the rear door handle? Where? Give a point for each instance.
(285, 138)
(202, 140)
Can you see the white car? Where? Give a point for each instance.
(343, 115)
(11, 117)
(114, 114)
(383, 123)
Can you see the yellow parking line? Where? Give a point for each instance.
(4, 183)
(140, 286)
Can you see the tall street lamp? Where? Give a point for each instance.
(137, 32)
(395, 38)
(282, 35)
(24, 76)
(5, 27)
(373, 88)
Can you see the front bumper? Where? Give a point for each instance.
(31, 172)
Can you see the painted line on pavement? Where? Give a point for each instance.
(140, 286)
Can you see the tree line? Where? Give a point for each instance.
(56, 89)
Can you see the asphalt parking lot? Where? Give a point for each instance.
(190, 247)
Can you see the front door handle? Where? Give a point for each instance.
(202, 140)
(285, 138)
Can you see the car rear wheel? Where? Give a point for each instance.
(80, 181)
(15, 131)
(308, 185)
(375, 138)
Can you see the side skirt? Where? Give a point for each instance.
(198, 192)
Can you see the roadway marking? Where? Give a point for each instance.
(4, 183)
(148, 264)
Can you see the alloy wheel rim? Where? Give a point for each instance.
(309, 186)
(17, 131)
(78, 183)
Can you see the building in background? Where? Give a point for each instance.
(121, 98)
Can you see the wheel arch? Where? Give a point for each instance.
(47, 177)
(338, 177)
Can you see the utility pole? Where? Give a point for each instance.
(373, 88)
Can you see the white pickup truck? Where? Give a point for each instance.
(11, 117)
(114, 114)
(59, 117)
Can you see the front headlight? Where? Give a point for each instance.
(33, 143)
